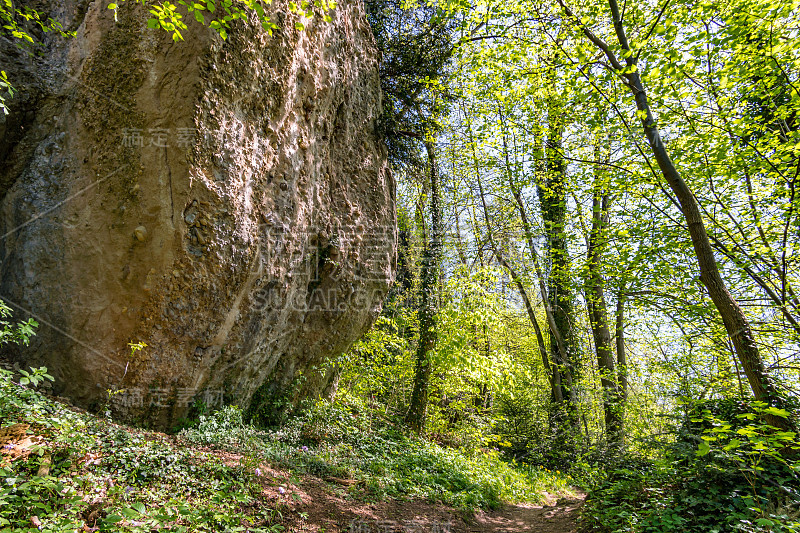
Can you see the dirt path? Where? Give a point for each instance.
(320, 506)
(558, 517)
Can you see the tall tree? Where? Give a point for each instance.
(416, 44)
(598, 312)
(625, 65)
(551, 188)
(429, 298)
(558, 317)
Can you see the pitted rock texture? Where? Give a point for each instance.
(227, 203)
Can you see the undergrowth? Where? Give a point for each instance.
(79, 470)
(728, 471)
(347, 440)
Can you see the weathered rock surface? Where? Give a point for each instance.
(225, 202)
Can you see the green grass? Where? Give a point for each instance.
(116, 478)
(346, 441)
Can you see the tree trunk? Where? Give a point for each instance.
(622, 359)
(551, 188)
(562, 374)
(428, 305)
(564, 393)
(736, 323)
(598, 318)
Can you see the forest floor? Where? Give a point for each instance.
(315, 505)
(68, 470)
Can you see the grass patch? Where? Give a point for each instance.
(729, 470)
(349, 441)
(63, 470)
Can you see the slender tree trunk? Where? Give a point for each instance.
(428, 305)
(553, 372)
(598, 318)
(551, 188)
(561, 369)
(622, 360)
(488, 397)
(736, 323)
(562, 374)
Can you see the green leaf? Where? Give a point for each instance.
(733, 444)
(777, 412)
(129, 513)
(703, 449)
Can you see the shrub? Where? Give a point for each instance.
(720, 475)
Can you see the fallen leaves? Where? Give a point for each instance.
(15, 443)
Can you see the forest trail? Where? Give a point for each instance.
(559, 516)
(324, 506)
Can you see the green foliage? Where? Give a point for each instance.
(271, 405)
(35, 376)
(18, 20)
(416, 41)
(220, 14)
(350, 440)
(521, 424)
(102, 475)
(19, 333)
(227, 421)
(6, 89)
(724, 78)
(268, 407)
(19, 23)
(380, 366)
(721, 475)
(78, 471)
(749, 438)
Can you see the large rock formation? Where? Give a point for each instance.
(225, 202)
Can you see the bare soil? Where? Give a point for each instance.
(314, 505)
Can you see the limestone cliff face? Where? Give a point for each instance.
(225, 202)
